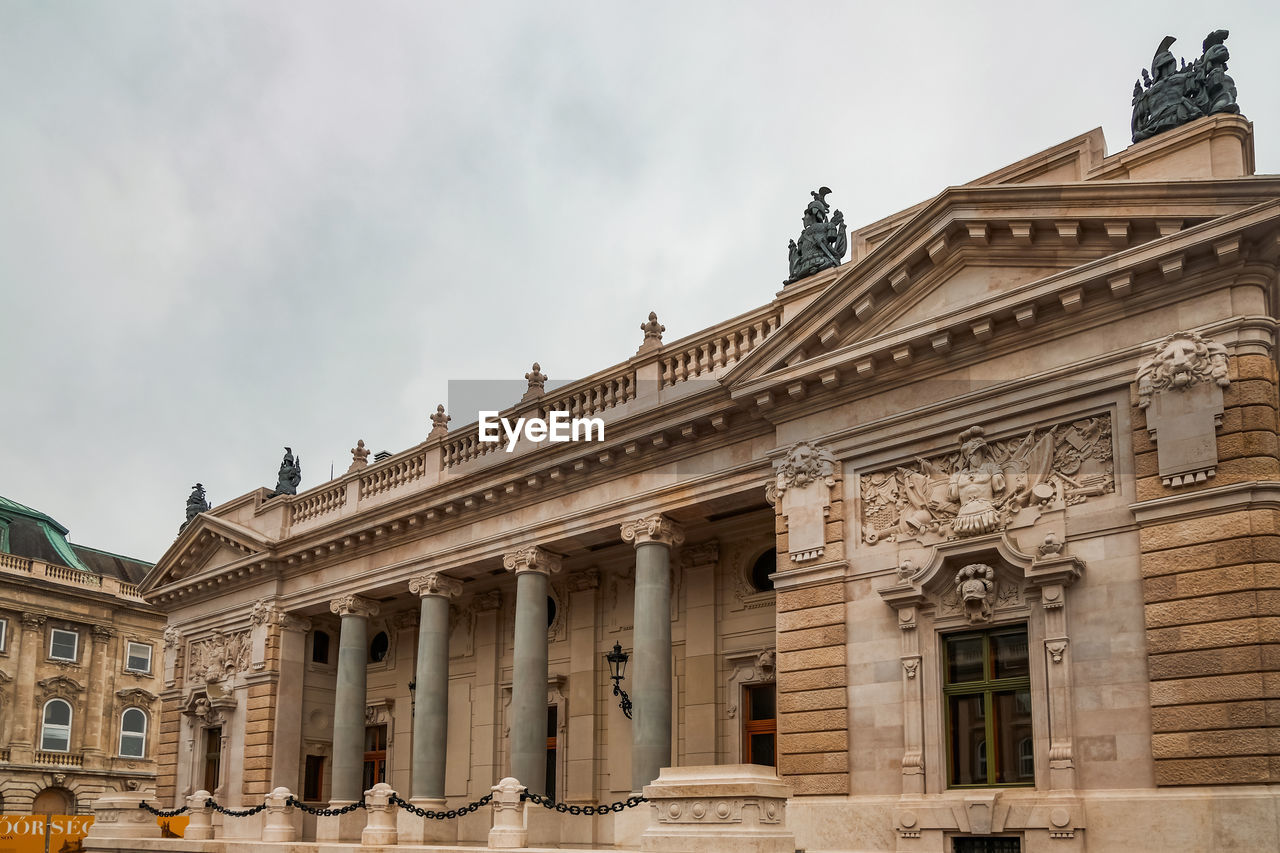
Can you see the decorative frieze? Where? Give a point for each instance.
(984, 486)
(1180, 388)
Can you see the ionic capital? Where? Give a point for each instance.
(435, 583)
(101, 633)
(531, 559)
(353, 605)
(32, 621)
(652, 528)
(290, 622)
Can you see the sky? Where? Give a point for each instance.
(230, 227)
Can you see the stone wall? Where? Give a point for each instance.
(1211, 586)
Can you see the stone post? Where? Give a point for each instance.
(510, 821)
(532, 566)
(348, 716)
(653, 536)
(286, 736)
(726, 808)
(381, 829)
(98, 683)
(122, 816)
(281, 820)
(200, 825)
(430, 712)
(23, 742)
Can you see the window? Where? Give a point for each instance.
(760, 725)
(313, 779)
(987, 844)
(765, 565)
(133, 732)
(138, 658)
(4, 634)
(63, 645)
(212, 758)
(379, 647)
(553, 715)
(320, 647)
(55, 733)
(987, 684)
(375, 755)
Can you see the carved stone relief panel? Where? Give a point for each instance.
(215, 658)
(984, 486)
(1180, 387)
(802, 488)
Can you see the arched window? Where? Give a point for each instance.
(133, 733)
(55, 733)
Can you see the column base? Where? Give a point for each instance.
(345, 827)
(423, 830)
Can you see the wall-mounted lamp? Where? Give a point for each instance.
(617, 666)
(413, 695)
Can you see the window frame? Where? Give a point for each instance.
(45, 724)
(986, 688)
(146, 724)
(317, 775)
(211, 759)
(763, 726)
(4, 634)
(128, 653)
(75, 655)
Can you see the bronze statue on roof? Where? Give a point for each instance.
(1173, 95)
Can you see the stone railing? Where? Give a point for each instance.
(316, 504)
(65, 575)
(719, 348)
(392, 474)
(15, 564)
(59, 759)
(76, 576)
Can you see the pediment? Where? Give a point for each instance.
(978, 257)
(209, 543)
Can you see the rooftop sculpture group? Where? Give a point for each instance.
(290, 474)
(1173, 95)
(822, 243)
(196, 504)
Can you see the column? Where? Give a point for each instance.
(431, 703)
(532, 566)
(98, 683)
(24, 737)
(349, 698)
(653, 537)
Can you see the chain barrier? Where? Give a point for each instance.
(547, 802)
(161, 812)
(298, 804)
(449, 815)
(210, 803)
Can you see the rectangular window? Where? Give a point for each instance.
(553, 714)
(987, 683)
(989, 844)
(375, 755)
(319, 647)
(63, 645)
(212, 758)
(4, 634)
(313, 779)
(760, 724)
(138, 658)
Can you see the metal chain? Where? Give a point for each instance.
(161, 812)
(547, 802)
(449, 815)
(298, 804)
(210, 803)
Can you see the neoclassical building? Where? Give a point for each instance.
(79, 669)
(973, 536)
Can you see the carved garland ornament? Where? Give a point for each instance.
(979, 487)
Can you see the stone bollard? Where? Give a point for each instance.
(727, 808)
(381, 828)
(279, 823)
(122, 816)
(510, 822)
(200, 827)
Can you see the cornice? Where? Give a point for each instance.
(1259, 494)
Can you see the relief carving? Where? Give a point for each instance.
(802, 488)
(1180, 388)
(1181, 361)
(980, 487)
(219, 656)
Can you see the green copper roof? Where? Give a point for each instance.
(56, 535)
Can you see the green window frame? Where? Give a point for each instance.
(987, 699)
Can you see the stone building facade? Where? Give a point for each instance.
(971, 536)
(79, 666)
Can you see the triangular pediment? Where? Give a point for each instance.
(208, 544)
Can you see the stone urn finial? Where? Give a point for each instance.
(652, 333)
(439, 423)
(537, 382)
(359, 456)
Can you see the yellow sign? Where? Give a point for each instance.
(65, 833)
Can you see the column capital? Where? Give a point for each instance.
(101, 633)
(435, 583)
(652, 528)
(33, 621)
(531, 559)
(290, 622)
(353, 605)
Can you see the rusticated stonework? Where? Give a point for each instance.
(983, 484)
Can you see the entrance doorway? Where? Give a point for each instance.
(53, 801)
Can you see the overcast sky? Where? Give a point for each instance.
(230, 227)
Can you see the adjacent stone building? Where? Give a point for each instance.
(79, 665)
(972, 536)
